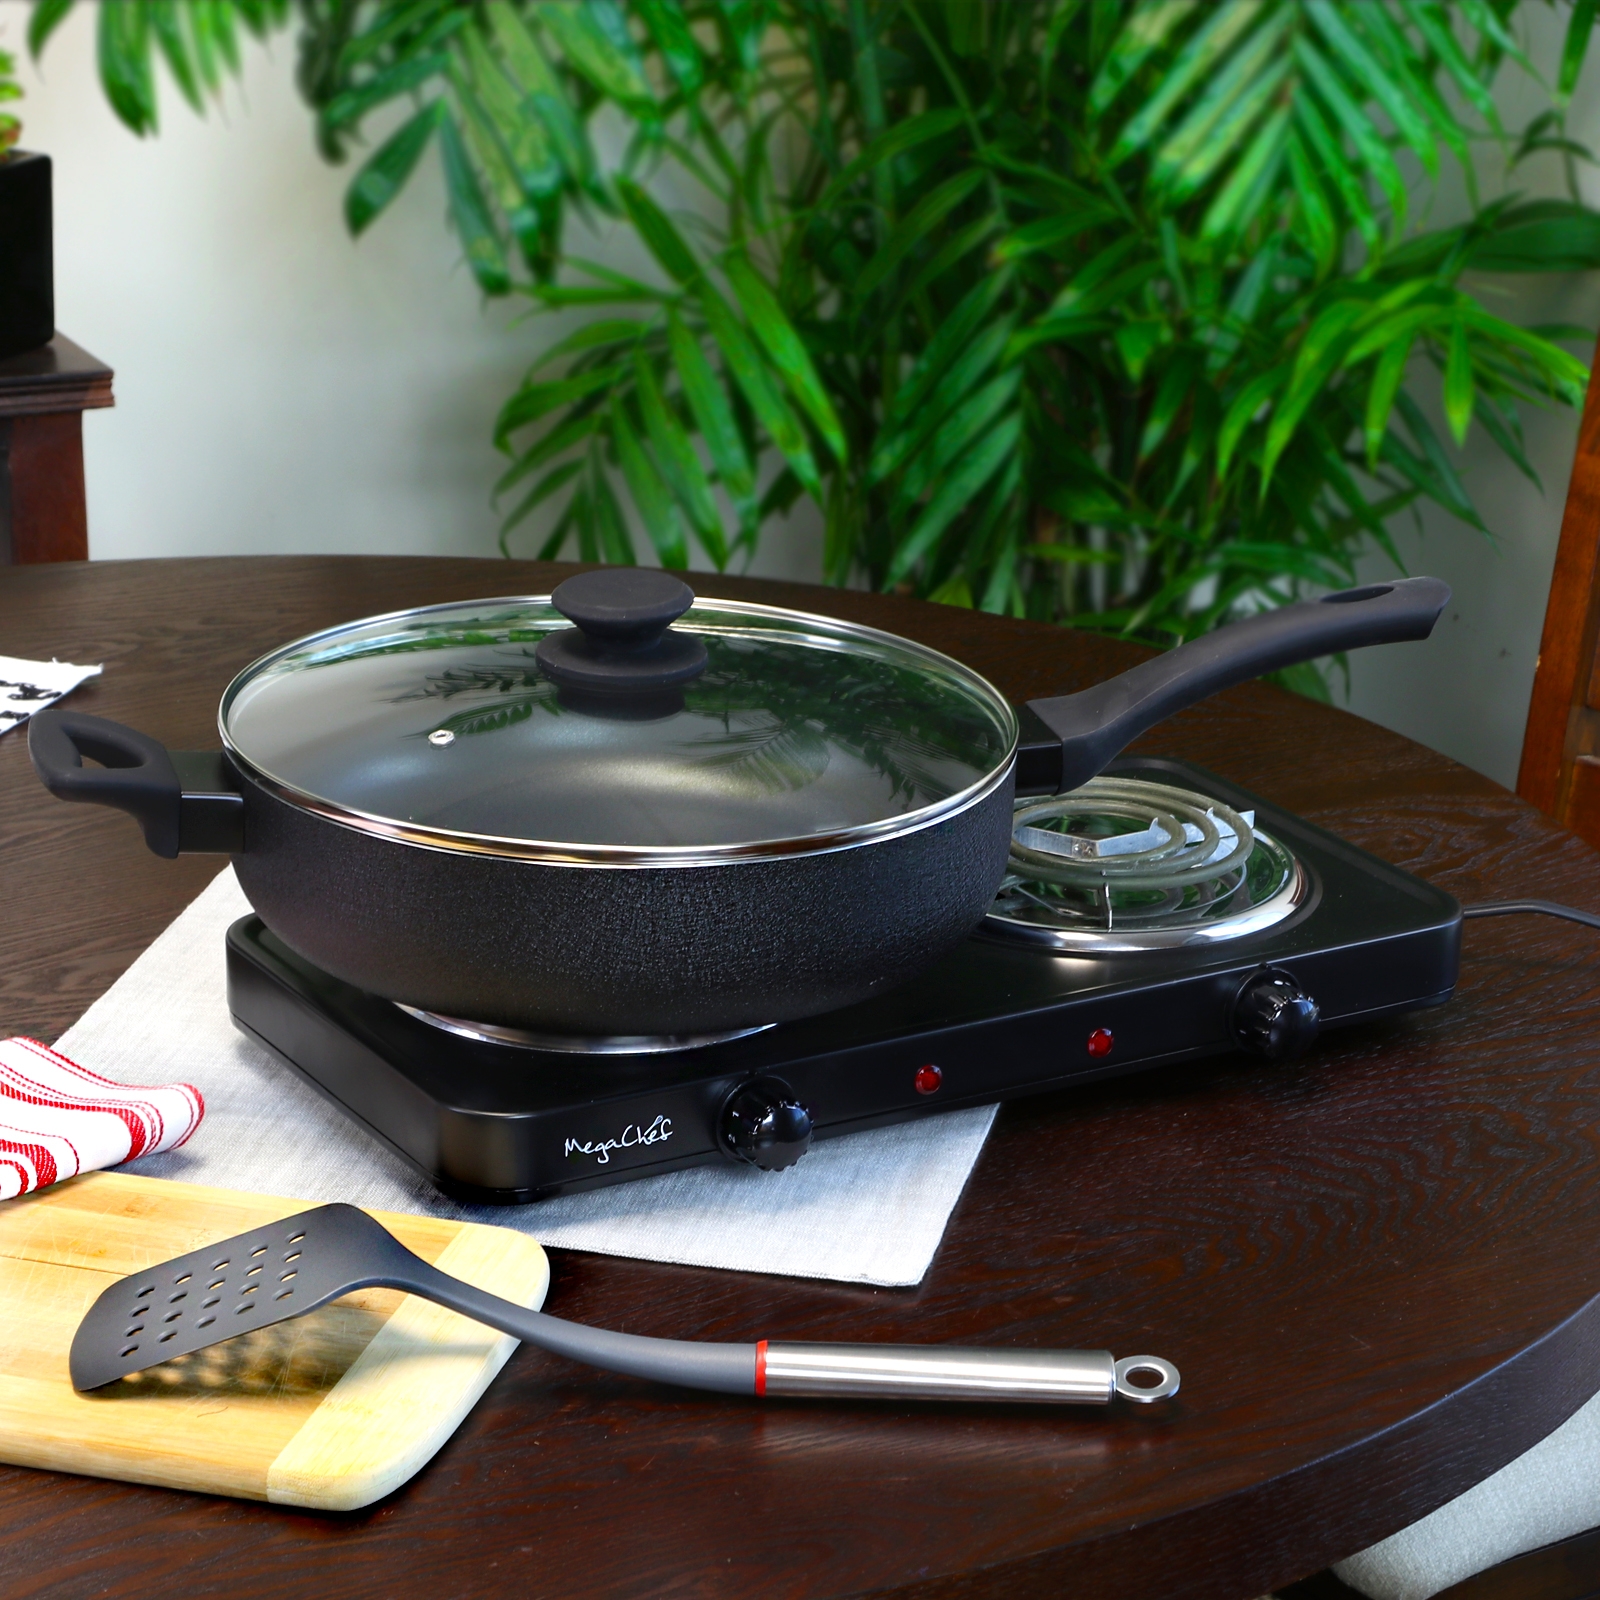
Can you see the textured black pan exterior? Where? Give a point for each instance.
(649, 950)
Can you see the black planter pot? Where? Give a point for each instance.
(27, 279)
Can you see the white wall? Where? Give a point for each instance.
(1466, 690)
(281, 387)
(278, 387)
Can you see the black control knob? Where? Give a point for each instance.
(764, 1124)
(1273, 1016)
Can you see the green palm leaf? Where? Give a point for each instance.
(786, 348)
(384, 174)
(1088, 312)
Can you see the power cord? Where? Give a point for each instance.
(1545, 908)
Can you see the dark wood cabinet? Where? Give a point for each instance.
(43, 395)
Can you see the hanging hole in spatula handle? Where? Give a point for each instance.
(1146, 1379)
(1069, 739)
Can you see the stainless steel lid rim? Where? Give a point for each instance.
(627, 858)
(824, 624)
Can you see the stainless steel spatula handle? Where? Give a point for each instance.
(285, 1269)
(839, 1371)
(947, 1372)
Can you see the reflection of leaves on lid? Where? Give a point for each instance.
(493, 678)
(486, 719)
(772, 759)
(521, 680)
(903, 722)
(785, 707)
(469, 631)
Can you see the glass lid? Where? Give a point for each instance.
(664, 728)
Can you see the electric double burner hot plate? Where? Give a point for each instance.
(1156, 915)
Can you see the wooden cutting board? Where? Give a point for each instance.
(332, 1410)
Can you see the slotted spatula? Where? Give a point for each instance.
(288, 1268)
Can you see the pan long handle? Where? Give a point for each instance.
(1068, 739)
(841, 1371)
(185, 802)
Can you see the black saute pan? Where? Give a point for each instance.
(679, 818)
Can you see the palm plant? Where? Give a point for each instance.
(1115, 314)
(10, 89)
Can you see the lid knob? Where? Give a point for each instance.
(623, 639)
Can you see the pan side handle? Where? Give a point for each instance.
(186, 803)
(1068, 739)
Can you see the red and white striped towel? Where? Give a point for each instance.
(58, 1119)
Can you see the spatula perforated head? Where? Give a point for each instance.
(252, 1280)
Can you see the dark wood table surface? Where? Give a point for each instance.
(1372, 1266)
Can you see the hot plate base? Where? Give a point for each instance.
(502, 1123)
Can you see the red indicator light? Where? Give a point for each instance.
(1100, 1042)
(928, 1079)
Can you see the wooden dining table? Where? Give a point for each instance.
(1368, 1264)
